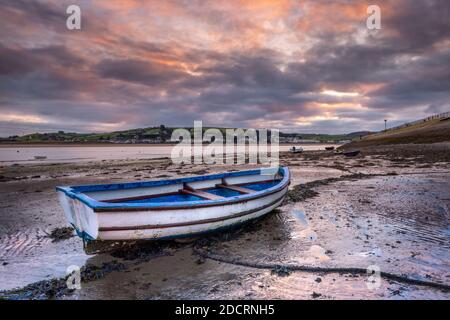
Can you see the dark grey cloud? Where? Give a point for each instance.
(417, 25)
(105, 75)
(41, 73)
(143, 72)
(45, 13)
(15, 61)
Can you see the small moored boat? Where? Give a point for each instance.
(296, 150)
(329, 148)
(351, 153)
(173, 208)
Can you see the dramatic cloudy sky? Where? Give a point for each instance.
(300, 66)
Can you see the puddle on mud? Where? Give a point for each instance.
(301, 217)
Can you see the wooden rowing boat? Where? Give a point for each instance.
(174, 208)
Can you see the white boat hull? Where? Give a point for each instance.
(157, 224)
(166, 222)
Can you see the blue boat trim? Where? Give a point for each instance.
(82, 234)
(77, 192)
(180, 197)
(190, 204)
(157, 183)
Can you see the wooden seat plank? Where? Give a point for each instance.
(198, 193)
(235, 188)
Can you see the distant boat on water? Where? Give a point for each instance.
(175, 208)
(40, 157)
(329, 148)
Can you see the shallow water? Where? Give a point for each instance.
(19, 154)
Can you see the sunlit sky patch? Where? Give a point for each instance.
(340, 94)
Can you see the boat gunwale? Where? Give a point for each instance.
(197, 204)
(149, 196)
(75, 192)
(194, 222)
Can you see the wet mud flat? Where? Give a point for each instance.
(372, 210)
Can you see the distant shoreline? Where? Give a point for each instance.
(92, 144)
(51, 144)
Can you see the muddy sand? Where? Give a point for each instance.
(387, 208)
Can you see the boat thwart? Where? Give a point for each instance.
(182, 207)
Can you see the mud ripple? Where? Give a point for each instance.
(22, 242)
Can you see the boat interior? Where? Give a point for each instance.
(210, 187)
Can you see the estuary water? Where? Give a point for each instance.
(62, 153)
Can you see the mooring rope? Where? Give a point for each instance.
(305, 268)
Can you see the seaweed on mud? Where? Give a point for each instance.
(92, 272)
(281, 271)
(300, 193)
(142, 250)
(418, 153)
(59, 234)
(46, 289)
(215, 239)
(234, 232)
(57, 288)
(139, 250)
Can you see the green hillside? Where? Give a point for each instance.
(436, 130)
(159, 134)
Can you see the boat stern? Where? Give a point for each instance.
(79, 215)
